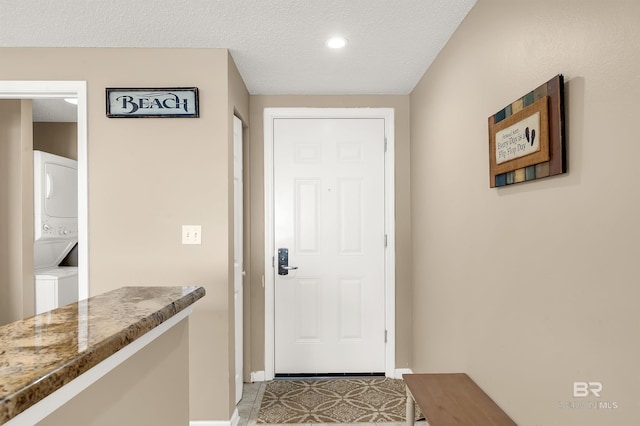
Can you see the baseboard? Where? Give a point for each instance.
(257, 376)
(235, 419)
(400, 371)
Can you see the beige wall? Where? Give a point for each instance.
(56, 138)
(10, 273)
(16, 211)
(239, 106)
(239, 101)
(255, 329)
(148, 177)
(149, 388)
(531, 287)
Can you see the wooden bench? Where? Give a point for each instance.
(451, 399)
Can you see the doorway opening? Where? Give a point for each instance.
(49, 90)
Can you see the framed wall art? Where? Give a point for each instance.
(526, 138)
(169, 102)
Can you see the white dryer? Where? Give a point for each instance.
(56, 229)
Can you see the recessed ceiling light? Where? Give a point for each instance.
(336, 42)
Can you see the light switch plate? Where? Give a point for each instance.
(191, 234)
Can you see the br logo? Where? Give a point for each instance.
(583, 389)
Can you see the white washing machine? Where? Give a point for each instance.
(56, 230)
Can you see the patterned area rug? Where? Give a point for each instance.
(343, 400)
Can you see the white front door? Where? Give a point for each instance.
(238, 262)
(329, 216)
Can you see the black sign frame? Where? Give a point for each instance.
(165, 102)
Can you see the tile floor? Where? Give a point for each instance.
(249, 406)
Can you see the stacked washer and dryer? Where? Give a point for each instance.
(56, 230)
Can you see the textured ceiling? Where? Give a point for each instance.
(278, 45)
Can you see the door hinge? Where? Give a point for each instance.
(385, 144)
(385, 240)
(385, 336)
(273, 261)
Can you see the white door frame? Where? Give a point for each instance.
(66, 89)
(238, 249)
(389, 218)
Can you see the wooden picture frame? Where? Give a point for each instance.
(526, 138)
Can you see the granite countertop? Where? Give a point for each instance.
(39, 355)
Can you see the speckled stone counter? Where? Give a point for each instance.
(41, 354)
